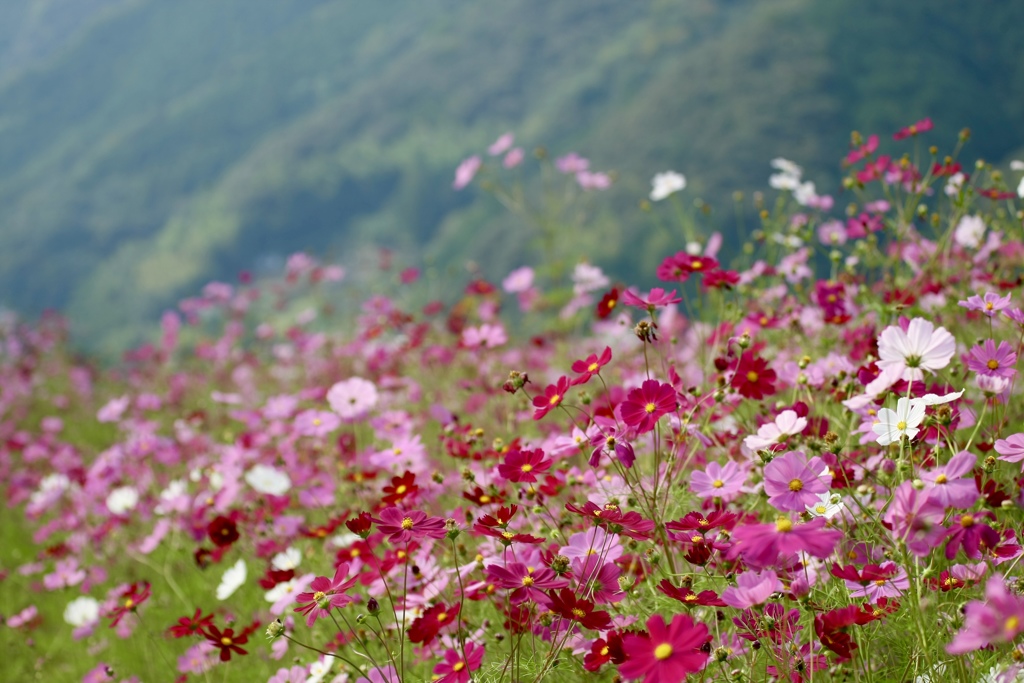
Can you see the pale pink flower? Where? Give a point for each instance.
(918, 347)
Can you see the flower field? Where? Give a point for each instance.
(796, 459)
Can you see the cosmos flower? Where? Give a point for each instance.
(893, 425)
(919, 347)
(667, 653)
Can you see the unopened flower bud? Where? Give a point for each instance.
(917, 484)
(373, 607)
(451, 529)
(560, 564)
(275, 629)
(744, 340)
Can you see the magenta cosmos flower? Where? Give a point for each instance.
(326, 594)
(643, 407)
(524, 466)
(989, 305)
(760, 545)
(997, 620)
(752, 588)
(402, 527)
(918, 347)
(657, 297)
(553, 395)
(949, 486)
(526, 583)
(455, 669)
(793, 482)
(668, 653)
(994, 361)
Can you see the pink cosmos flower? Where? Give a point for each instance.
(646, 405)
(999, 619)
(752, 588)
(352, 398)
(918, 347)
(667, 653)
(610, 439)
(792, 482)
(455, 669)
(65, 574)
(913, 129)
(513, 158)
(988, 359)
(318, 423)
(786, 424)
(989, 305)
(571, 163)
(402, 527)
(486, 336)
(594, 542)
(948, 485)
(717, 481)
(1011, 449)
(655, 298)
(466, 171)
(326, 594)
(502, 144)
(873, 581)
(760, 545)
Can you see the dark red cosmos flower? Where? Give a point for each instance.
(688, 597)
(679, 267)
(400, 488)
(947, 169)
(222, 531)
(227, 641)
(191, 626)
(360, 525)
(275, 576)
(913, 129)
(496, 526)
(324, 530)
(524, 466)
(499, 519)
(604, 650)
(643, 407)
(831, 630)
(425, 628)
(753, 378)
(607, 303)
(591, 366)
(553, 395)
(129, 601)
(615, 520)
(482, 497)
(997, 194)
(881, 608)
(566, 604)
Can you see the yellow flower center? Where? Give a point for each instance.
(318, 596)
(507, 535)
(554, 399)
(604, 651)
(401, 489)
(993, 364)
(527, 581)
(967, 521)
(879, 582)
(459, 666)
(578, 613)
(442, 616)
(718, 483)
(696, 265)
(796, 485)
(663, 651)
(316, 422)
(485, 499)
(783, 525)
(527, 468)
(593, 367)
(129, 603)
(941, 479)
(1012, 624)
(650, 408)
(901, 425)
(690, 597)
(407, 523)
(989, 305)
(225, 641)
(820, 509)
(751, 376)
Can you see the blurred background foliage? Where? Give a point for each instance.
(149, 146)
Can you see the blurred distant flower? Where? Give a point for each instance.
(268, 481)
(232, 580)
(912, 130)
(122, 499)
(665, 184)
(513, 158)
(352, 398)
(502, 144)
(518, 281)
(466, 171)
(571, 163)
(969, 232)
(593, 181)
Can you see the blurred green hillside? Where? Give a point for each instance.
(149, 146)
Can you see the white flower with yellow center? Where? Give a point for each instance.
(893, 425)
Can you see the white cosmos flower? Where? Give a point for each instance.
(232, 580)
(935, 399)
(828, 505)
(289, 559)
(665, 184)
(268, 481)
(921, 347)
(893, 425)
(82, 611)
(318, 670)
(970, 232)
(123, 499)
(1020, 189)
